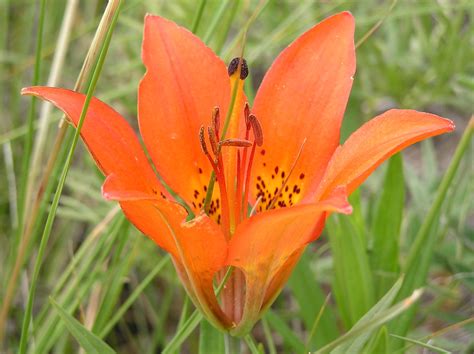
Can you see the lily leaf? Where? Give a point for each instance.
(87, 340)
(356, 345)
(376, 321)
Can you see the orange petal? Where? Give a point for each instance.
(183, 83)
(263, 244)
(304, 96)
(375, 142)
(109, 138)
(198, 248)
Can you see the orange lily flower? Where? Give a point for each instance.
(282, 158)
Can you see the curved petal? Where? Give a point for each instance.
(300, 105)
(263, 244)
(183, 83)
(198, 248)
(375, 142)
(109, 138)
(202, 250)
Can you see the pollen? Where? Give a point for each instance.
(234, 65)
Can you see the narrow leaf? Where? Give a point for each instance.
(89, 341)
(358, 343)
(352, 284)
(375, 322)
(386, 227)
(211, 340)
(310, 298)
(425, 345)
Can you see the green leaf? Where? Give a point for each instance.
(289, 337)
(379, 344)
(352, 283)
(88, 341)
(188, 327)
(356, 345)
(310, 298)
(425, 345)
(419, 258)
(374, 323)
(386, 228)
(211, 340)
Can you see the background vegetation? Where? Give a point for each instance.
(413, 221)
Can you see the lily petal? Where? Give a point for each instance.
(375, 142)
(300, 105)
(110, 139)
(265, 243)
(118, 153)
(183, 83)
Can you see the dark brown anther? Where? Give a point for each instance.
(234, 65)
(216, 120)
(212, 139)
(235, 142)
(202, 141)
(257, 129)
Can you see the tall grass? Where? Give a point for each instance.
(396, 276)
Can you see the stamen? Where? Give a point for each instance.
(235, 142)
(247, 178)
(246, 115)
(216, 120)
(235, 64)
(212, 140)
(202, 141)
(257, 129)
(277, 195)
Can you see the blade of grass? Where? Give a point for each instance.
(253, 347)
(57, 195)
(198, 16)
(288, 335)
(268, 336)
(316, 323)
(417, 265)
(356, 345)
(91, 343)
(58, 154)
(353, 283)
(374, 323)
(386, 228)
(133, 296)
(188, 327)
(211, 340)
(422, 344)
(43, 122)
(311, 300)
(215, 21)
(23, 204)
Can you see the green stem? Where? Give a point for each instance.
(62, 180)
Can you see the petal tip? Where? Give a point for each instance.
(30, 90)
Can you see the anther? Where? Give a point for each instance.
(234, 65)
(257, 129)
(235, 142)
(212, 139)
(246, 115)
(202, 141)
(216, 121)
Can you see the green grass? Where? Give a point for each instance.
(96, 280)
